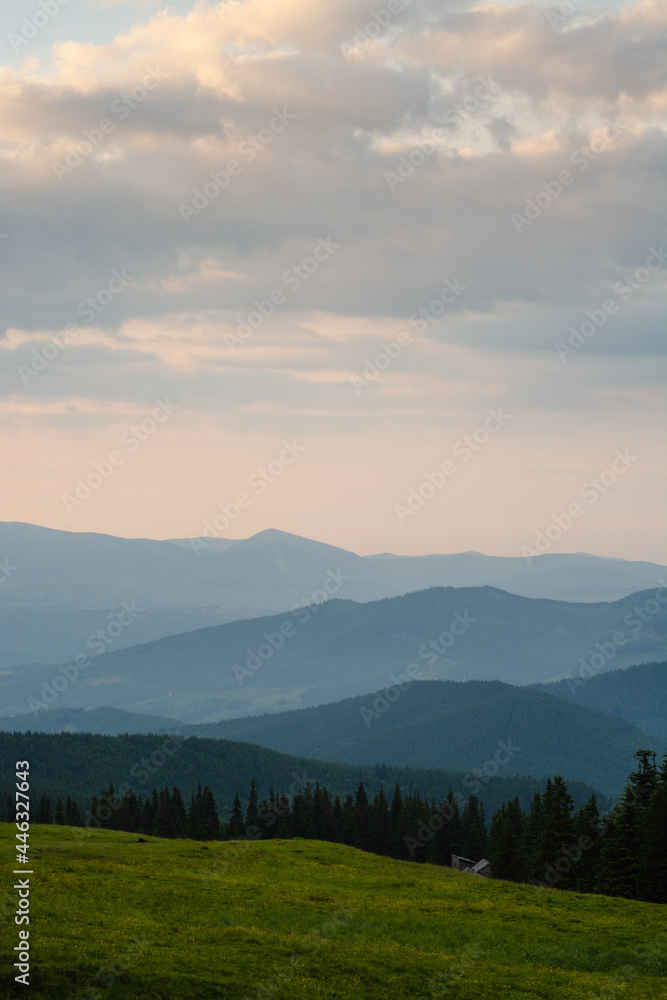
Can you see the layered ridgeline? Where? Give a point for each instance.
(638, 694)
(442, 723)
(340, 649)
(431, 724)
(142, 763)
(59, 588)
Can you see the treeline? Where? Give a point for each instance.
(145, 761)
(621, 853)
(618, 854)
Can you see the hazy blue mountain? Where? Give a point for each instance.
(460, 726)
(638, 694)
(339, 649)
(38, 635)
(103, 721)
(180, 587)
(482, 727)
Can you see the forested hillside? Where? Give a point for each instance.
(448, 724)
(638, 694)
(82, 765)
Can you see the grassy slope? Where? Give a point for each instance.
(306, 920)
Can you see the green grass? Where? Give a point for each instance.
(304, 920)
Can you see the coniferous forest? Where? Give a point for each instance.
(620, 853)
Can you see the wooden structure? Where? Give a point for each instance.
(482, 868)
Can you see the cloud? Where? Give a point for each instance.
(208, 151)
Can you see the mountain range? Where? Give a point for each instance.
(58, 587)
(340, 649)
(486, 728)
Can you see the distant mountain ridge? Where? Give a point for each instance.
(184, 584)
(339, 649)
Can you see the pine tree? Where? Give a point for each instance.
(44, 814)
(210, 824)
(362, 820)
(349, 830)
(380, 831)
(556, 836)
(179, 815)
(507, 859)
(235, 826)
(72, 814)
(252, 812)
(652, 875)
(587, 828)
(626, 832)
(473, 832)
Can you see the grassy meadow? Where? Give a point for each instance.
(117, 919)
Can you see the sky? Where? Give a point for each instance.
(390, 276)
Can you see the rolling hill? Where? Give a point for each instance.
(638, 694)
(466, 726)
(340, 649)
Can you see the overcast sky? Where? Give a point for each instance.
(368, 230)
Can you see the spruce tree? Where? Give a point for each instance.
(380, 832)
(362, 820)
(252, 811)
(236, 826)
